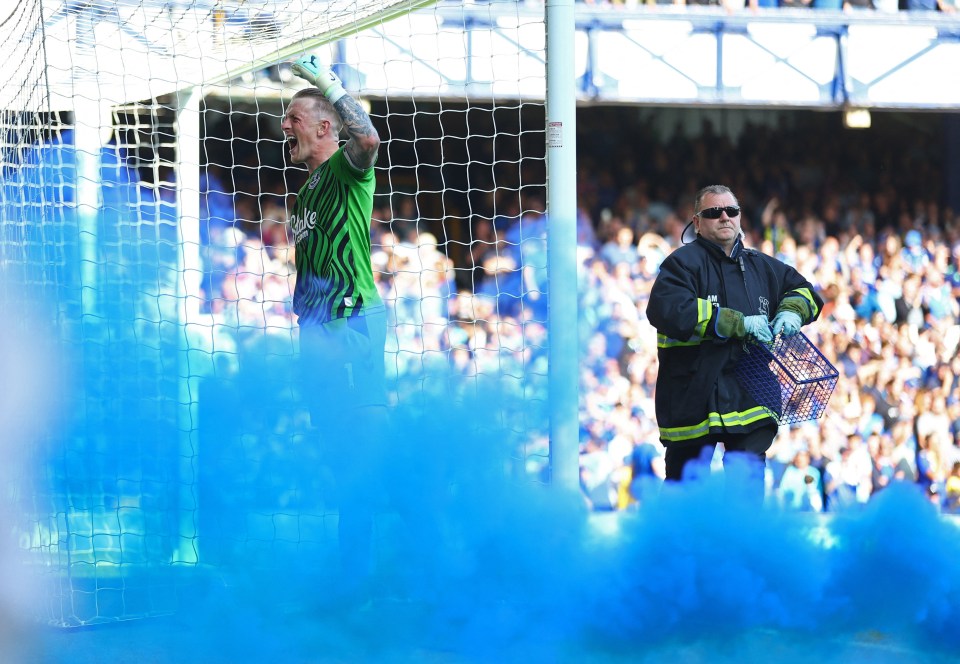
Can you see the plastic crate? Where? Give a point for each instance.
(789, 377)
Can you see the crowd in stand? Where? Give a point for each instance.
(948, 6)
(872, 234)
(885, 254)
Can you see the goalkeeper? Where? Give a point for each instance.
(709, 297)
(341, 316)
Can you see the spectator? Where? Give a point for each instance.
(929, 466)
(647, 470)
(904, 453)
(842, 482)
(621, 249)
(800, 487)
(951, 498)
(909, 306)
(596, 471)
(915, 256)
(953, 412)
(884, 463)
(930, 6)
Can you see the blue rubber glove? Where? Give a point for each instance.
(758, 327)
(786, 323)
(311, 69)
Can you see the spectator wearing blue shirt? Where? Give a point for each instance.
(928, 5)
(863, 297)
(800, 485)
(915, 256)
(870, 422)
(647, 470)
(622, 248)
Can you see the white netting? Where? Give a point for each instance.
(143, 201)
(125, 50)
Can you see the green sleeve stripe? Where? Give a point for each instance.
(807, 297)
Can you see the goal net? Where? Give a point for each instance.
(146, 270)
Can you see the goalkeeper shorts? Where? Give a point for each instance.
(342, 363)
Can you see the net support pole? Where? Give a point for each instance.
(562, 245)
(189, 280)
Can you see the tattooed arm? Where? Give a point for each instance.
(364, 142)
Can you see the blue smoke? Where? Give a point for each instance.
(476, 560)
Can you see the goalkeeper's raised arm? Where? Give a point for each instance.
(363, 141)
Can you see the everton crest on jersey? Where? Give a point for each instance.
(314, 179)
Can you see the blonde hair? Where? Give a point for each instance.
(322, 106)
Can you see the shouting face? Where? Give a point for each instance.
(306, 132)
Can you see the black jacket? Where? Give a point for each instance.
(697, 391)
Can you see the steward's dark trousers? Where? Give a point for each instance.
(753, 445)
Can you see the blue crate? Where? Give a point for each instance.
(789, 377)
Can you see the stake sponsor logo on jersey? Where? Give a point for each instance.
(303, 224)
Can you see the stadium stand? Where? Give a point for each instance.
(865, 217)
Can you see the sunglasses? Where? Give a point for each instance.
(716, 212)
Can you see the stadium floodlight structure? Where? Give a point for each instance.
(142, 199)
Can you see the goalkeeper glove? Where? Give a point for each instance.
(311, 69)
(732, 323)
(786, 323)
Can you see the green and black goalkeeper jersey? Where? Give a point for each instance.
(331, 226)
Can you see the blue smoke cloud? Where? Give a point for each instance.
(476, 560)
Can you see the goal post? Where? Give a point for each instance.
(143, 199)
(562, 243)
(189, 269)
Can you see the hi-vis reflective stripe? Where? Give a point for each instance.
(663, 341)
(736, 419)
(704, 311)
(811, 303)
